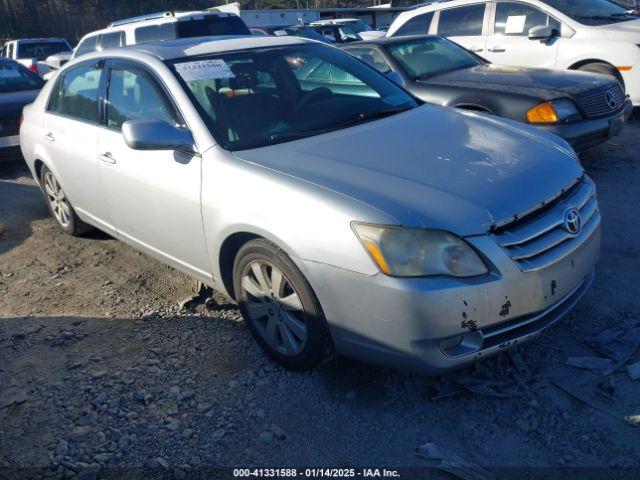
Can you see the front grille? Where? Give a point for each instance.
(8, 127)
(602, 102)
(541, 238)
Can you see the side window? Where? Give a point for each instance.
(155, 33)
(112, 40)
(418, 25)
(514, 18)
(461, 21)
(372, 57)
(76, 94)
(340, 76)
(88, 45)
(133, 94)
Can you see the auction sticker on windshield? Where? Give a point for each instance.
(204, 70)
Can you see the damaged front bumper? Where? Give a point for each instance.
(436, 324)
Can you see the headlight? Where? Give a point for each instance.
(416, 252)
(553, 112)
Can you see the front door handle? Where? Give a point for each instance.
(476, 49)
(497, 49)
(107, 157)
(49, 137)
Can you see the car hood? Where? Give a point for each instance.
(12, 103)
(432, 167)
(622, 31)
(539, 83)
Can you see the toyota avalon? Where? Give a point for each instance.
(409, 235)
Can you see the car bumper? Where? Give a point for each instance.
(589, 133)
(431, 325)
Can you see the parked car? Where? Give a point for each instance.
(302, 31)
(413, 236)
(18, 87)
(583, 108)
(589, 35)
(33, 52)
(337, 33)
(361, 28)
(162, 26)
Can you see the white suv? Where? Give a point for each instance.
(162, 26)
(592, 35)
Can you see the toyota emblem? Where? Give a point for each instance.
(610, 99)
(572, 222)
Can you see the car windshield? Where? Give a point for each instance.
(592, 12)
(357, 26)
(15, 78)
(41, 50)
(258, 97)
(422, 58)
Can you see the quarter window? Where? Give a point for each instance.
(462, 21)
(133, 94)
(88, 45)
(517, 19)
(77, 93)
(418, 25)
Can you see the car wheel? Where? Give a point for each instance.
(279, 306)
(604, 69)
(59, 206)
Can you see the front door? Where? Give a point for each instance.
(153, 195)
(510, 45)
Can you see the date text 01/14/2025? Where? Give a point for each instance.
(315, 473)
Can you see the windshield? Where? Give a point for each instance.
(41, 50)
(15, 78)
(427, 57)
(357, 26)
(259, 97)
(592, 12)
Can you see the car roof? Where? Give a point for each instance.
(389, 40)
(39, 40)
(193, 47)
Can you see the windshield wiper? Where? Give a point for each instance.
(596, 17)
(368, 116)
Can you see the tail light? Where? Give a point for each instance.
(33, 68)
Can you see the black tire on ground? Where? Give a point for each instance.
(603, 69)
(75, 226)
(318, 347)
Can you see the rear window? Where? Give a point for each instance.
(88, 45)
(204, 27)
(461, 21)
(41, 50)
(15, 78)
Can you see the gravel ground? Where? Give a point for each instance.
(102, 371)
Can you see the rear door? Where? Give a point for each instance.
(465, 25)
(509, 42)
(153, 196)
(70, 136)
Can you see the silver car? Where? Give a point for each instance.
(403, 234)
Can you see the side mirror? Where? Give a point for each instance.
(153, 134)
(396, 78)
(541, 32)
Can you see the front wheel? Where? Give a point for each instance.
(279, 306)
(59, 206)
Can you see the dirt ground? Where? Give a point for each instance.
(102, 371)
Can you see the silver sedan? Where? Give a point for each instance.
(365, 223)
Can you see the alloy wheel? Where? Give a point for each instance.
(57, 200)
(274, 307)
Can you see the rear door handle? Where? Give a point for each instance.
(49, 137)
(107, 157)
(497, 49)
(476, 49)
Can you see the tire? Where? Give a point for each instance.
(603, 69)
(276, 315)
(59, 205)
